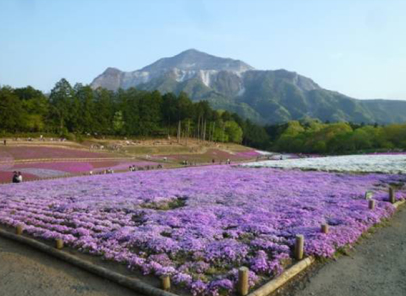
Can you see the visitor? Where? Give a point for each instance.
(15, 177)
(19, 177)
(5, 142)
(213, 160)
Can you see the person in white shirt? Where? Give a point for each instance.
(19, 177)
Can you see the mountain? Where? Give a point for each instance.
(263, 96)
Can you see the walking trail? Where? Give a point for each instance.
(27, 272)
(376, 267)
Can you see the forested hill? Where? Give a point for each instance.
(74, 112)
(262, 96)
(79, 110)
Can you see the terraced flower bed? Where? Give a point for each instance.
(200, 224)
(34, 170)
(38, 152)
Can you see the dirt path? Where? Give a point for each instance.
(376, 267)
(27, 272)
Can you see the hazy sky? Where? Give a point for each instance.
(355, 47)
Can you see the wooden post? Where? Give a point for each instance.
(392, 198)
(371, 204)
(324, 228)
(166, 282)
(59, 244)
(19, 229)
(242, 281)
(299, 246)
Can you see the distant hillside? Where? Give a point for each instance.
(263, 96)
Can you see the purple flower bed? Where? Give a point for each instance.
(248, 154)
(200, 224)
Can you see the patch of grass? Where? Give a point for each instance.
(167, 205)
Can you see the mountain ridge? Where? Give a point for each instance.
(264, 96)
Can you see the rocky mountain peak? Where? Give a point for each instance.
(264, 96)
(194, 60)
(112, 71)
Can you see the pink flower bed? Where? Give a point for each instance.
(248, 154)
(33, 152)
(6, 176)
(64, 168)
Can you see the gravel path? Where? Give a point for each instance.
(24, 271)
(377, 267)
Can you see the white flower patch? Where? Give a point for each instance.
(392, 164)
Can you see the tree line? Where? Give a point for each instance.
(313, 136)
(74, 111)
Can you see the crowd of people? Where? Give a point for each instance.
(132, 168)
(228, 161)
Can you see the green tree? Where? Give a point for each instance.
(118, 122)
(84, 96)
(12, 115)
(233, 131)
(61, 98)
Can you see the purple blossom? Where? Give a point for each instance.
(199, 224)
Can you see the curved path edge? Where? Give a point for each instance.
(131, 283)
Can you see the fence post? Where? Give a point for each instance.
(392, 198)
(243, 281)
(324, 228)
(166, 282)
(371, 204)
(19, 229)
(299, 246)
(59, 244)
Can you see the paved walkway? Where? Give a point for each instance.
(24, 271)
(377, 267)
